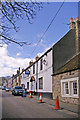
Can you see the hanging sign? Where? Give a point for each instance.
(27, 72)
(32, 79)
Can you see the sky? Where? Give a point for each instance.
(13, 56)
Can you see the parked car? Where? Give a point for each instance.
(17, 90)
(8, 89)
(0, 87)
(4, 87)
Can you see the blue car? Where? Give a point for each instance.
(17, 90)
(8, 89)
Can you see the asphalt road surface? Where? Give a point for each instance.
(20, 107)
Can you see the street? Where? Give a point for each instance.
(24, 107)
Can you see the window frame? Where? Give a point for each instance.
(75, 88)
(66, 88)
(27, 85)
(37, 67)
(41, 64)
(33, 68)
(41, 84)
(70, 82)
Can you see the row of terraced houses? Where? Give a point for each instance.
(57, 71)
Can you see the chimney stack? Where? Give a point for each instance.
(77, 35)
(77, 18)
(23, 70)
(17, 72)
(30, 63)
(72, 23)
(37, 58)
(71, 19)
(76, 25)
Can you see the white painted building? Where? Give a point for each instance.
(39, 78)
(24, 79)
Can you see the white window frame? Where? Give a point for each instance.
(73, 88)
(65, 88)
(70, 86)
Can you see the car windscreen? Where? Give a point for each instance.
(8, 88)
(18, 87)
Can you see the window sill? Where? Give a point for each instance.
(70, 96)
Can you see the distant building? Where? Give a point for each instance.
(16, 79)
(1, 81)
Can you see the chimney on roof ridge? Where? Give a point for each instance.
(76, 25)
(23, 70)
(17, 72)
(77, 35)
(30, 63)
(37, 58)
(72, 23)
(71, 19)
(77, 18)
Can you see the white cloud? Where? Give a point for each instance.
(18, 54)
(8, 64)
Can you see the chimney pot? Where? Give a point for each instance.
(17, 72)
(37, 58)
(77, 18)
(72, 23)
(23, 70)
(71, 19)
(31, 62)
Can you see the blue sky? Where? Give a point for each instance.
(32, 33)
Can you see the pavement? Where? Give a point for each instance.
(67, 106)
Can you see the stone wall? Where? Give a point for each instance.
(70, 100)
(56, 86)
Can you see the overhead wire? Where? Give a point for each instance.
(47, 28)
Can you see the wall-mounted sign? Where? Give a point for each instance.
(32, 79)
(27, 72)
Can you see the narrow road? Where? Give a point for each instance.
(19, 107)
